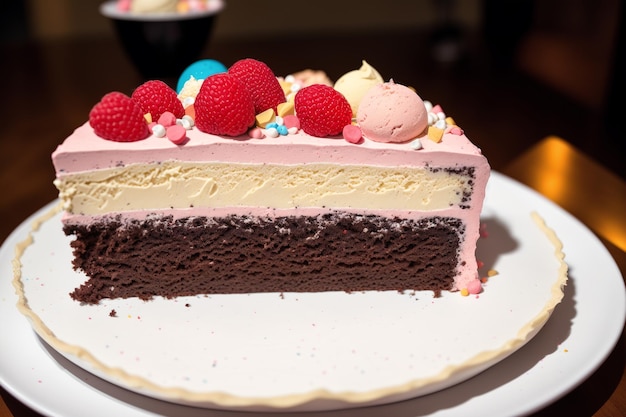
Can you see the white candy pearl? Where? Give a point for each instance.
(272, 132)
(190, 119)
(416, 144)
(158, 131)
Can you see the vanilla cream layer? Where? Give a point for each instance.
(213, 184)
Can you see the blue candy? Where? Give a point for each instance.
(200, 70)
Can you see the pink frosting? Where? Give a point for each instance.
(84, 151)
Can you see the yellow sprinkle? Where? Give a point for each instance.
(464, 292)
(263, 118)
(286, 86)
(492, 272)
(565, 350)
(284, 109)
(435, 134)
(148, 117)
(450, 121)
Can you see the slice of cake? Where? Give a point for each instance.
(259, 191)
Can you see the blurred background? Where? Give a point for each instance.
(510, 73)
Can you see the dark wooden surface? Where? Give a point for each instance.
(48, 89)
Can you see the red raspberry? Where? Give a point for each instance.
(223, 106)
(264, 87)
(117, 117)
(322, 110)
(156, 97)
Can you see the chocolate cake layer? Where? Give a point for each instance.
(245, 254)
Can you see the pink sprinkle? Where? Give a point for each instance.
(256, 133)
(177, 134)
(167, 119)
(455, 130)
(352, 133)
(437, 109)
(290, 121)
(475, 287)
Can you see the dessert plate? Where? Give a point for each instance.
(320, 344)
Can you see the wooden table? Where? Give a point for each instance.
(47, 95)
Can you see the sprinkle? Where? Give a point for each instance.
(475, 287)
(272, 132)
(352, 133)
(440, 124)
(167, 119)
(265, 117)
(189, 119)
(159, 131)
(455, 130)
(492, 272)
(435, 134)
(285, 109)
(291, 121)
(184, 123)
(416, 145)
(464, 292)
(177, 134)
(428, 105)
(282, 130)
(256, 133)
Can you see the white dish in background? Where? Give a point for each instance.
(582, 330)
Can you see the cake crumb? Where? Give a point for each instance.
(113, 313)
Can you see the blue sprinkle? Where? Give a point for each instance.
(272, 125)
(282, 129)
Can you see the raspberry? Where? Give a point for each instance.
(223, 106)
(156, 97)
(264, 87)
(322, 110)
(117, 117)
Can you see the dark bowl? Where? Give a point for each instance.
(162, 45)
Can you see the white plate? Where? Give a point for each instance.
(580, 334)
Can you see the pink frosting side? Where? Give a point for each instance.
(84, 151)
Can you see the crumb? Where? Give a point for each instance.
(187, 305)
(113, 313)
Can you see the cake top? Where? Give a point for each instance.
(248, 108)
